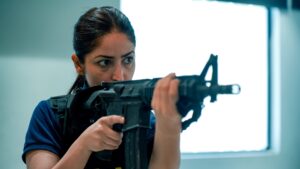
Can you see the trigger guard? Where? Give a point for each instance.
(195, 116)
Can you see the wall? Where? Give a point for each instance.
(35, 63)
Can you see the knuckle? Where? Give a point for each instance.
(162, 85)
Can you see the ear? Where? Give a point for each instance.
(78, 65)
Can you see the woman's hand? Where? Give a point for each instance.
(164, 101)
(100, 135)
(166, 149)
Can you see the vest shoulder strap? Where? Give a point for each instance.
(58, 104)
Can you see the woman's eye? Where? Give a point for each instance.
(129, 60)
(104, 62)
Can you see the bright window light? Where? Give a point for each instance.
(179, 36)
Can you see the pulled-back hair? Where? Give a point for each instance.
(92, 26)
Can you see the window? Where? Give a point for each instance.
(178, 36)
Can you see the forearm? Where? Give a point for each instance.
(166, 151)
(75, 158)
(97, 137)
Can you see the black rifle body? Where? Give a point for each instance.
(132, 99)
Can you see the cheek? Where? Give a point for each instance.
(128, 72)
(94, 76)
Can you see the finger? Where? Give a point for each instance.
(107, 123)
(114, 119)
(164, 82)
(108, 145)
(161, 89)
(111, 120)
(164, 90)
(173, 90)
(111, 137)
(170, 85)
(155, 98)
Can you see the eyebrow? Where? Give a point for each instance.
(109, 57)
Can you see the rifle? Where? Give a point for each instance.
(132, 99)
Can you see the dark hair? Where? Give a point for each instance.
(91, 26)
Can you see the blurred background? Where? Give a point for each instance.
(35, 63)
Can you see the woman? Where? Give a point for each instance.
(104, 44)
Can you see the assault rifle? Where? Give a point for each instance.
(132, 99)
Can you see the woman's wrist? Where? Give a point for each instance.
(170, 128)
(81, 145)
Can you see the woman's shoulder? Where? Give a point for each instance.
(43, 105)
(42, 108)
(46, 109)
(52, 104)
(44, 131)
(44, 119)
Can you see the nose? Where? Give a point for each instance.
(118, 73)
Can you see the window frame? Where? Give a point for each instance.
(271, 93)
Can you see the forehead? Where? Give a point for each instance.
(113, 44)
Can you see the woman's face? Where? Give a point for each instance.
(113, 59)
